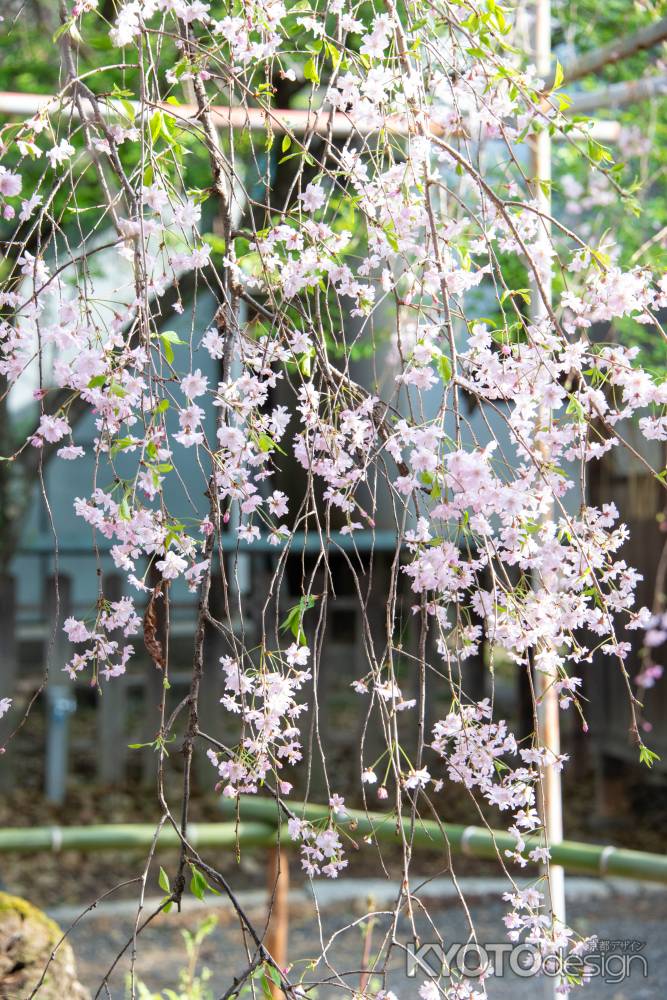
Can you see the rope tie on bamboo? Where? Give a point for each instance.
(466, 847)
(604, 859)
(56, 838)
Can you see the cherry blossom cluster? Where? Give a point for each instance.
(321, 847)
(399, 237)
(655, 636)
(265, 699)
(107, 658)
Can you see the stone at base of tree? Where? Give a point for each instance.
(27, 939)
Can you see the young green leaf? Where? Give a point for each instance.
(310, 72)
(198, 884)
(646, 756)
(163, 881)
(558, 76)
(445, 368)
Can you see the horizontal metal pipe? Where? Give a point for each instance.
(364, 540)
(296, 121)
(474, 841)
(279, 120)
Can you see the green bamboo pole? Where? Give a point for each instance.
(478, 842)
(258, 829)
(126, 836)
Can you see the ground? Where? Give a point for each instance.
(630, 921)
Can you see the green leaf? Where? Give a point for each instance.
(122, 443)
(294, 618)
(216, 243)
(558, 76)
(97, 381)
(163, 881)
(157, 121)
(168, 352)
(62, 29)
(574, 407)
(198, 884)
(334, 55)
(286, 143)
(265, 443)
(310, 71)
(168, 338)
(390, 233)
(273, 974)
(597, 152)
(523, 293)
(445, 368)
(647, 756)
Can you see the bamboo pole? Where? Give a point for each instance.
(473, 841)
(277, 933)
(128, 836)
(258, 829)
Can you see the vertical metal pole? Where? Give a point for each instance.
(239, 564)
(8, 673)
(111, 710)
(548, 710)
(60, 694)
(277, 879)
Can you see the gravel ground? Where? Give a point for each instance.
(619, 914)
